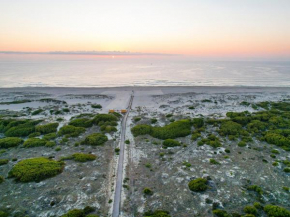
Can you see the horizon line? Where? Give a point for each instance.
(101, 53)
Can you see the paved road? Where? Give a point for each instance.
(119, 180)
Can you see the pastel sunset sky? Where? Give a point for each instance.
(188, 27)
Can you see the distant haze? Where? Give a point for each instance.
(207, 28)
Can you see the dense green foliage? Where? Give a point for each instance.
(98, 119)
(157, 213)
(36, 169)
(37, 112)
(1, 180)
(3, 161)
(220, 213)
(3, 214)
(95, 139)
(82, 157)
(170, 143)
(15, 102)
(9, 142)
(255, 188)
(81, 122)
(20, 128)
(198, 122)
(49, 136)
(198, 185)
(230, 128)
(47, 128)
(250, 210)
(71, 131)
(211, 140)
(75, 213)
(173, 130)
(147, 191)
(97, 106)
(34, 142)
(276, 211)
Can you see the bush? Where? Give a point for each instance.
(277, 139)
(255, 188)
(3, 161)
(71, 131)
(9, 142)
(81, 122)
(195, 136)
(198, 185)
(104, 118)
(37, 112)
(127, 142)
(230, 128)
(147, 191)
(34, 142)
(1, 181)
(242, 144)
(173, 130)
(287, 170)
(89, 209)
(250, 210)
(276, 211)
(3, 214)
(157, 213)
(257, 205)
(213, 161)
(198, 122)
(153, 121)
(170, 143)
(20, 130)
(95, 139)
(81, 157)
(47, 128)
(220, 213)
(49, 136)
(36, 169)
(35, 134)
(75, 213)
(50, 144)
(97, 106)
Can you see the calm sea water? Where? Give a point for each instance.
(23, 71)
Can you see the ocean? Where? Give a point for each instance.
(92, 71)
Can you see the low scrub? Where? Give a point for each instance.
(3, 161)
(174, 130)
(82, 157)
(9, 142)
(35, 169)
(81, 122)
(198, 185)
(71, 131)
(276, 211)
(157, 213)
(95, 139)
(170, 143)
(47, 128)
(34, 142)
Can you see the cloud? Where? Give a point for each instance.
(101, 53)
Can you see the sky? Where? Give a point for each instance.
(241, 28)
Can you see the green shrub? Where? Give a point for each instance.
(97, 106)
(95, 139)
(127, 142)
(9, 142)
(92, 215)
(71, 131)
(65, 110)
(49, 136)
(227, 150)
(147, 191)
(276, 211)
(3, 161)
(277, 139)
(47, 128)
(36, 169)
(242, 144)
(220, 213)
(255, 188)
(34, 142)
(257, 205)
(3, 214)
(250, 210)
(275, 151)
(108, 128)
(198, 185)
(191, 107)
(230, 128)
(20, 130)
(75, 213)
(50, 144)
(82, 157)
(81, 122)
(157, 213)
(153, 121)
(198, 122)
(256, 126)
(195, 136)
(104, 118)
(173, 130)
(37, 112)
(1, 181)
(35, 134)
(137, 119)
(187, 164)
(287, 170)
(170, 143)
(57, 148)
(213, 161)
